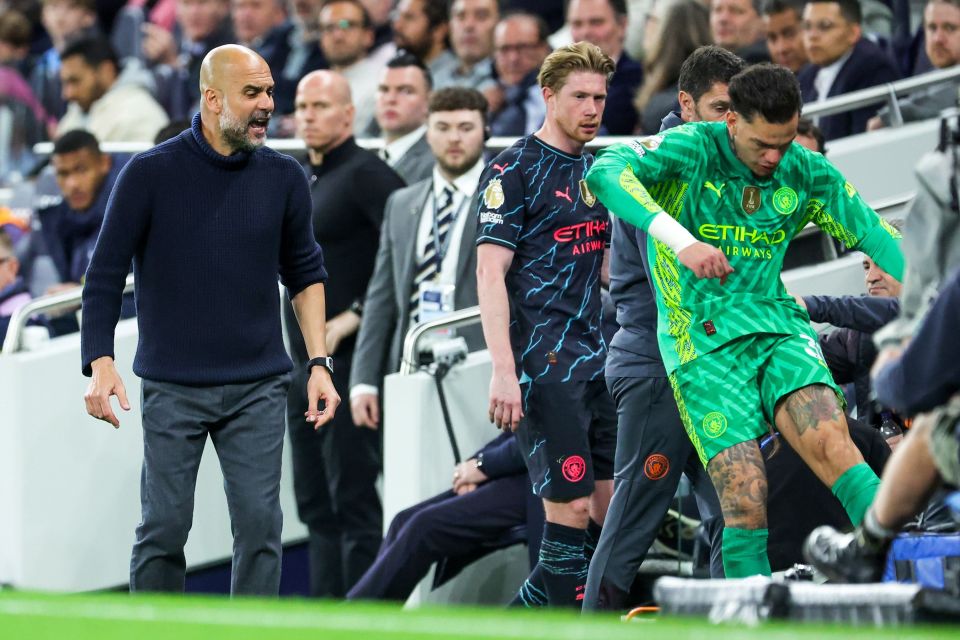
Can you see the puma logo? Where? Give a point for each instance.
(500, 168)
(712, 187)
(564, 194)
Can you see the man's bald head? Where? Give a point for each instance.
(221, 63)
(324, 112)
(329, 82)
(236, 90)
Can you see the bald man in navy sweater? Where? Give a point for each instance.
(209, 219)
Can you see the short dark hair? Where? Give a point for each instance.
(706, 66)
(94, 50)
(619, 7)
(457, 98)
(773, 7)
(76, 140)
(364, 21)
(849, 9)
(806, 127)
(437, 12)
(15, 29)
(543, 29)
(766, 89)
(406, 59)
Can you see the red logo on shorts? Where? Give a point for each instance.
(574, 468)
(656, 467)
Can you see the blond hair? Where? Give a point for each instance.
(579, 56)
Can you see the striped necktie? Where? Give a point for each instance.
(429, 265)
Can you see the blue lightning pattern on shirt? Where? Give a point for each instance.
(533, 203)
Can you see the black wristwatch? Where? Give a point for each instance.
(479, 461)
(323, 361)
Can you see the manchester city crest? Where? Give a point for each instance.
(493, 197)
(586, 195)
(785, 201)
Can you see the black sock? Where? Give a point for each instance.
(532, 592)
(593, 537)
(563, 565)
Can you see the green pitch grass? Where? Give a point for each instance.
(111, 616)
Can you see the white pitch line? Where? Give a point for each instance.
(420, 624)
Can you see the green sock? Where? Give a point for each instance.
(745, 552)
(855, 490)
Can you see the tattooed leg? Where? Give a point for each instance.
(740, 479)
(811, 421)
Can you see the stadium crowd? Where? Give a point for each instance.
(433, 80)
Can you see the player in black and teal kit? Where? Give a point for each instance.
(739, 351)
(541, 241)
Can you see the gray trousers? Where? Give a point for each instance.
(246, 424)
(653, 450)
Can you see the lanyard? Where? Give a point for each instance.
(441, 250)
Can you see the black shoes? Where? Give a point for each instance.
(846, 557)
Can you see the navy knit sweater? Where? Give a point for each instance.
(208, 235)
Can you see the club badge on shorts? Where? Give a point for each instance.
(750, 200)
(493, 197)
(586, 195)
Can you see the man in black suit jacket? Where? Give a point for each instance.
(841, 61)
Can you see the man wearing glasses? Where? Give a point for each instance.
(346, 39)
(519, 48)
(841, 61)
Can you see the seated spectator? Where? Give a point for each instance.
(519, 48)
(489, 499)
(402, 99)
(685, 27)
(15, 31)
(262, 25)
(841, 61)
(422, 27)
(941, 27)
(849, 350)
(471, 39)
(736, 25)
(13, 291)
(783, 22)
(304, 56)
(70, 228)
(113, 105)
(810, 136)
(346, 38)
(63, 20)
(604, 23)
(381, 14)
(175, 57)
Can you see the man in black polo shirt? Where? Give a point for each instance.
(541, 241)
(335, 469)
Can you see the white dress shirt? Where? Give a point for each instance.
(464, 188)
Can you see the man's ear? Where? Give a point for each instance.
(687, 106)
(213, 99)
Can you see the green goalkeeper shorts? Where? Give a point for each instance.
(729, 395)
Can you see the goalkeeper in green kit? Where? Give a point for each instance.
(720, 202)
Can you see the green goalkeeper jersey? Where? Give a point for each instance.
(692, 173)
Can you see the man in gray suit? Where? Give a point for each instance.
(426, 247)
(401, 115)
